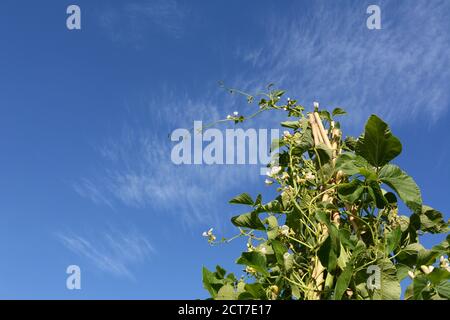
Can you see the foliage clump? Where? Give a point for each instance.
(335, 217)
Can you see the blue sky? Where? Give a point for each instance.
(86, 176)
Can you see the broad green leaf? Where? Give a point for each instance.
(351, 192)
(291, 124)
(403, 185)
(390, 285)
(210, 282)
(343, 281)
(350, 143)
(345, 238)
(324, 153)
(377, 145)
(443, 289)
(243, 198)
(432, 221)
(256, 290)
(350, 163)
(273, 206)
(255, 260)
(240, 288)
(338, 112)
(393, 239)
(402, 271)
(409, 254)
(248, 220)
(279, 249)
(226, 293)
(303, 141)
(420, 286)
(438, 275)
(330, 249)
(272, 230)
(376, 194)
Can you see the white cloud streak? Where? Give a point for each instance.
(112, 251)
(326, 53)
(137, 170)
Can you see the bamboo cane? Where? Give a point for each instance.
(322, 130)
(315, 130)
(320, 136)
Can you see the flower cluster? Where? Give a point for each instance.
(209, 234)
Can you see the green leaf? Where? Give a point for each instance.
(377, 145)
(350, 163)
(402, 271)
(210, 282)
(403, 185)
(279, 249)
(409, 254)
(344, 237)
(226, 293)
(390, 285)
(350, 192)
(273, 206)
(438, 275)
(393, 239)
(243, 198)
(343, 281)
(272, 230)
(248, 220)
(330, 249)
(256, 290)
(291, 124)
(432, 221)
(255, 260)
(376, 193)
(305, 140)
(324, 153)
(338, 112)
(443, 289)
(419, 287)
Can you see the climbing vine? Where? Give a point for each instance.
(336, 215)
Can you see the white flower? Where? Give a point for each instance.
(287, 134)
(236, 113)
(268, 182)
(411, 274)
(316, 104)
(288, 99)
(426, 269)
(209, 234)
(286, 255)
(274, 171)
(284, 230)
(310, 176)
(229, 117)
(263, 250)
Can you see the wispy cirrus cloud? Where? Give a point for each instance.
(137, 171)
(111, 251)
(326, 53)
(131, 22)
